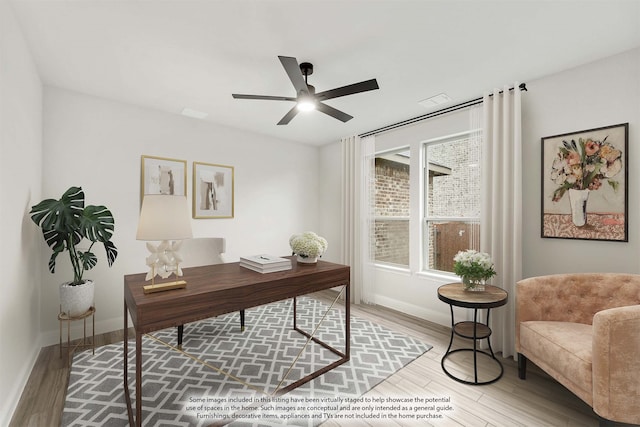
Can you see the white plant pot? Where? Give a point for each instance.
(76, 300)
(307, 260)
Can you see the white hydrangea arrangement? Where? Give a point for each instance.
(473, 265)
(308, 244)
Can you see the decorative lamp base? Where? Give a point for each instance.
(161, 287)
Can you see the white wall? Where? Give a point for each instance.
(97, 144)
(602, 93)
(20, 178)
(331, 200)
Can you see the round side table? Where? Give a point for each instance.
(454, 294)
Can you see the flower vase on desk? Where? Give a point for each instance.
(307, 259)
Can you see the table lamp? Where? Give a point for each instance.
(166, 219)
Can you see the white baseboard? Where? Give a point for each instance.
(15, 392)
(442, 318)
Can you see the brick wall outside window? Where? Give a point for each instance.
(391, 199)
(453, 187)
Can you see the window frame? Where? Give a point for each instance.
(425, 218)
(375, 217)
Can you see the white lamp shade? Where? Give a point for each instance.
(164, 217)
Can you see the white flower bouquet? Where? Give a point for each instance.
(308, 245)
(473, 266)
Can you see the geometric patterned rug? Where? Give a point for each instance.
(178, 391)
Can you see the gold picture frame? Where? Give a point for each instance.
(162, 175)
(213, 190)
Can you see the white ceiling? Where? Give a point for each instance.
(169, 55)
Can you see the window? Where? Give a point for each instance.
(452, 199)
(392, 210)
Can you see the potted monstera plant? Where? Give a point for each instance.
(66, 224)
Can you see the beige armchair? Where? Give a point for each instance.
(584, 331)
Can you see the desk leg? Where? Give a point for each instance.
(295, 314)
(127, 396)
(138, 379)
(125, 369)
(344, 356)
(180, 335)
(347, 322)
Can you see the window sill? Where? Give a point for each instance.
(438, 277)
(393, 268)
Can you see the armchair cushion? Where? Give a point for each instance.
(563, 350)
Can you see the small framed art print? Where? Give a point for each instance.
(213, 190)
(161, 175)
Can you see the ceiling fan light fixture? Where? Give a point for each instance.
(306, 104)
(307, 99)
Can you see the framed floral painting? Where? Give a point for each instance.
(212, 190)
(585, 184)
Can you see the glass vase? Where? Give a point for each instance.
(473, 284)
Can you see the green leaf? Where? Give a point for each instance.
(55, 240)
(52, 261)
(97, 223)
(60, 215)
(614, 184)
(111, 251)
(89, 260)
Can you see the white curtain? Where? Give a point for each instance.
(501, 205)
(357, 214)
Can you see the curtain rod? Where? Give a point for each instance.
(470, 103)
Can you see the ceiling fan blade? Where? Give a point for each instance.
(295, 75)
(290, 115)
(348, 90)
(267, 97)
(343, 117)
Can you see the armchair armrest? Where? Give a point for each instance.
(616, 364)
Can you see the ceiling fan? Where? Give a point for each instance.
(306, 97)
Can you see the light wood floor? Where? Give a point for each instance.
(538, 401)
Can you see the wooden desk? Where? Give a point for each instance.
(224, 288)
(454, 294)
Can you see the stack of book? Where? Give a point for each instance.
(265, 263)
